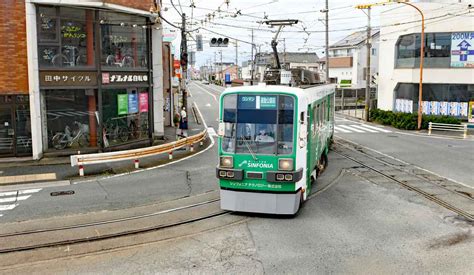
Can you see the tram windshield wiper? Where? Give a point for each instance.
(248, 147)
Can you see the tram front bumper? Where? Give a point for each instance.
(270, 203)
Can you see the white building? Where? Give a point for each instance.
(448, 75)
(348, 59)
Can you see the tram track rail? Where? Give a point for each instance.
(47, 238)
(423, 189)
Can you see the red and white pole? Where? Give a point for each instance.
(137, 164)
(170, 155)
(81, 170)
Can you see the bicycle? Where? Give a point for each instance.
(65, 139)
(114, 131)
(62, 60)
(126, 62)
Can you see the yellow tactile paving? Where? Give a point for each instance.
(27, 178)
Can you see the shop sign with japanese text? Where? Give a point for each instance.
(122, 77)
(61, 79)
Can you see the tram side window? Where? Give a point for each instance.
(229, 119)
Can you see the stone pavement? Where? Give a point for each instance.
(51, 169)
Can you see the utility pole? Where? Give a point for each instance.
(253, 63)
(367, 73)
(184, 61)
(222, 71)
(284, 51)
(237, 58)
(327, 42)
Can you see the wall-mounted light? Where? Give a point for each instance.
(122, 24)
(134, 25)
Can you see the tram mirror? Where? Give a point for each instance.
(221, 130)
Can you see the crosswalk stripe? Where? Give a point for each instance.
(21, 192)
(337, 128)
(376, 128)
(14, 199)
(350, 128)
(7, 207)
(363, 129)
(211, 131)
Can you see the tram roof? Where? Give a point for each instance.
(311, 93)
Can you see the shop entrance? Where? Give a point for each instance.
(15, 128)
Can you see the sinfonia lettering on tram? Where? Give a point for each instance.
(260, 164)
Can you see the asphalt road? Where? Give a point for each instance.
(354, 226)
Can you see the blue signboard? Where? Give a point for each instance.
(227, 78)
(462, 49)
(132, 103)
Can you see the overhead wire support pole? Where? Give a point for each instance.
(367, 73)
(184, 61)
(327, 41)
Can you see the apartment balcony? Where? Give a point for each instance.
(340, 62)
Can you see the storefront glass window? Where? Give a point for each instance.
(65, 37)
(436, 52)
(125, 115)
(71, 119)
(123, 41)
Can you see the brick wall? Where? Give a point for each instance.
(136, 4)
(13, 55)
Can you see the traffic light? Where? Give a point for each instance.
(184, 59)
(199, 42)
(219, 42)
(374, 79)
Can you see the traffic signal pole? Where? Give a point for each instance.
(184, 61)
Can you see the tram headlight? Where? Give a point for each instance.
(230, 174)
(285, 164)
(289, 177)
(226, 162)
(280, 176)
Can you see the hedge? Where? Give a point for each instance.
(408, 121)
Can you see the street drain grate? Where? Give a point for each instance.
(62, 193)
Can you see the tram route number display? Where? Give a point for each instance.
(257, 102)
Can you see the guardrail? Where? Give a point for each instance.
(447, 127)
(136, 154)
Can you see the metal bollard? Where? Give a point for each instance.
(429, 128)
(81, 170)
(137, 164)
(465, 131)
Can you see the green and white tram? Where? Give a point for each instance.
(273, 141)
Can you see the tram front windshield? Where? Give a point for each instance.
(258, 124)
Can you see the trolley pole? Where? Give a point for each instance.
(367, 73)
(253, 63)
(237, 58)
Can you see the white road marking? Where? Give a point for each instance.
(206, 91)
(338, 129)
(348, 127)
(14, 199)
(364, 129)
(7, 207)
(376, 128)
(208, 105)
(211, 132)
(21, 192)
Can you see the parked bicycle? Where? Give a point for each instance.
(70, 56)
(126, 61)
(67, 138)
(114, 130)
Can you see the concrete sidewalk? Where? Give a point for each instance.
(50, 169)
(358, 116)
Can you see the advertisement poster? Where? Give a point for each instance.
(122, 104)
(426, 107)
(435, 107)
(404, 105)
(462, 49)
(143, 101)
(132, 103)
(443, 108)
(454, 108)
(464, 109)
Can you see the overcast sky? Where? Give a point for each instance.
(307, 35)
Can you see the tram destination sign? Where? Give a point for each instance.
(257, 102)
